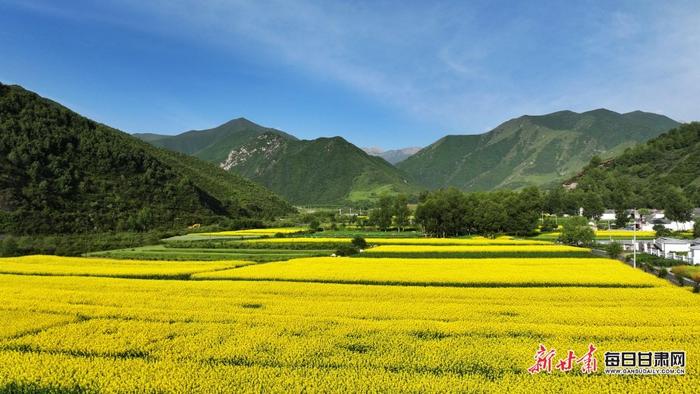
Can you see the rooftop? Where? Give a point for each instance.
(667, 240)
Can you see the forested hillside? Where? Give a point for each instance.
(320, 171)
(666, 167)
(214, 144)
(531, 150)
(63, 173)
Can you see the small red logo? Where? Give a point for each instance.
(543, 361)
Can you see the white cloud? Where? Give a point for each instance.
(448, 64)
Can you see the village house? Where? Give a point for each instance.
(608, 215)
(668, 245)
(654, 217)
(694, 254)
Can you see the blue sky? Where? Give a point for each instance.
(379, 73)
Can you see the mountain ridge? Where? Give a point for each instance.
(64, 173)
(648, 173)
(393, 156)
(325, 170)
(531, 149)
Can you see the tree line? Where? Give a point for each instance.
(451, 212)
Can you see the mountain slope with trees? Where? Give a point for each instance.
(214, 144)
(320, 171)
(661, 173)
(63, 173)
(531, 150)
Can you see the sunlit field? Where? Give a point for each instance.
(333, 324)
(258, 232)
(410, 241)
(446, 272)
(606, 235)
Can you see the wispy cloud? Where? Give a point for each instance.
(460, 66)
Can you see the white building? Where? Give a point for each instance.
(608, 215)
(656, 216)
(672, 245)
(694, 254)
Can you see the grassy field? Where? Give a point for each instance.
(692, 272)
(163, 252)
(333, 324)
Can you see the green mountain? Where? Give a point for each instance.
(648, 173)
(531, 150)
(63, 173)
(320, 171)
(212, 145)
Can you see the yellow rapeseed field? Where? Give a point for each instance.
(112, 335)
(475, 248)
(623, 233)
(446, 272)
(328, 324)
(259, 231)
(409, 241)
(613, 233)
(55, 265)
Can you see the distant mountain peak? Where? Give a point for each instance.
(393, 156)
(598, 111)
(125, 175)
(531, 149)
(241, 121)
(373, 150)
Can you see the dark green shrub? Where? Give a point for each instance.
(576, 231)
(549, 224)
(9, 247)
(680, 278)
(347, 250)
(661, 231)
(359, 242)
(614, 249)
(663, 273)
(314, 224)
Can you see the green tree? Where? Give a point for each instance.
(523, 210)
(401, 211)
(549, 224)
(347, 250)
(381, 215)
(359, 242)
(9, 247)
(595, 162)
(490, 216)
(592, 205)
(696, 228)
(621, 218)
(676, 206)
(661, 230)
(614, 249)
(554, 201)
(314, 224)
(576, 231)
(444, 212)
